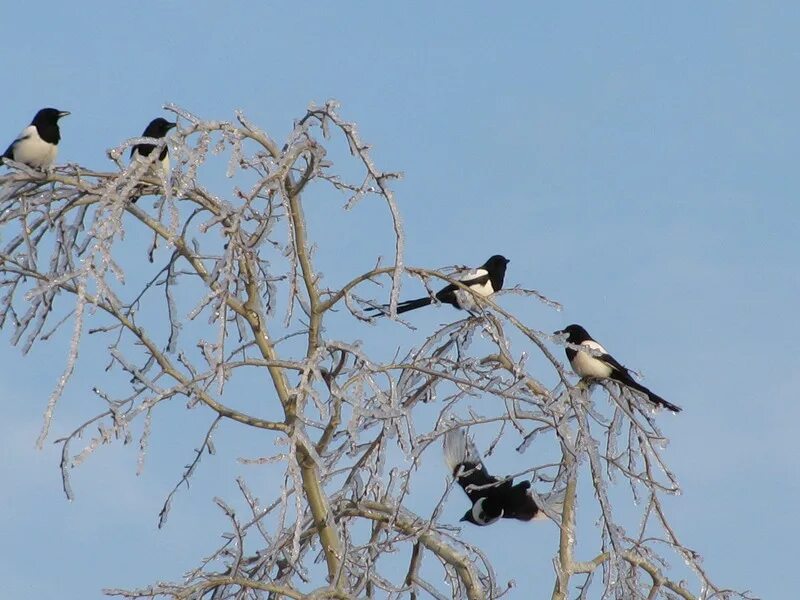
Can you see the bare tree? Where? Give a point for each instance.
(224, 289)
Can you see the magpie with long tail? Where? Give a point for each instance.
(484, 281)
(603, 365)
(37, 144)
(492, 498)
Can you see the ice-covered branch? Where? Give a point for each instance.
(200, 290)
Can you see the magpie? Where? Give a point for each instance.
(37, 144)
(157, 128)
(491, 498)
(603, 366)
(484, 281)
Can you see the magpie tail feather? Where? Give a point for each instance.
(652, 397)
(656, 399)
(551, 505)
(407, 305)
(458, 449)
(403, 306)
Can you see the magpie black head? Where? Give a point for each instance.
(575, 334)
(158, 128)
(46, 123)
(485, 511)
(496, 264)
(48, 116)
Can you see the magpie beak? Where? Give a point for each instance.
(63, 113)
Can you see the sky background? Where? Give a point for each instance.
(636, 163)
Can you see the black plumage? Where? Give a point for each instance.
(157, 128)
(492, 498)
(603, 365)
(37, 144)
(484, 281)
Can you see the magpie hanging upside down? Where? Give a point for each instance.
(491, 498)
(484, 281)
(604, 366)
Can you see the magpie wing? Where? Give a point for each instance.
(474, 479)
(9, 153)
(605, 357)
(615, 364)
(473, 278)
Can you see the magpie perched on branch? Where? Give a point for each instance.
(491, 498)
(603, 366)
(484, 281)
(158, 128)
(37, 144)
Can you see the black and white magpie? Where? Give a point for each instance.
(37, 145)
(603, 366)
(491, 498)
(484, 281)
(158, 128)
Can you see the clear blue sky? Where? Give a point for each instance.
(638, 163)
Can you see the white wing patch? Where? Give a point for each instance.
(465, 300)
(480, 289)
(456, 448)
(594, 346)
